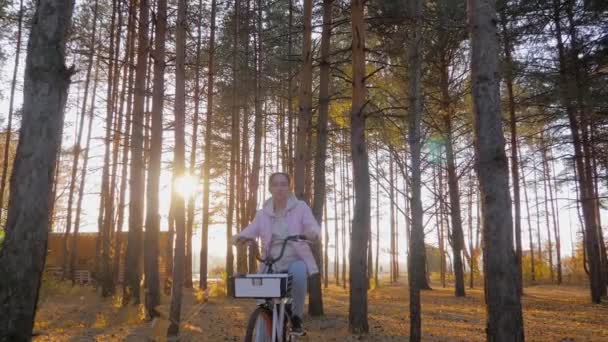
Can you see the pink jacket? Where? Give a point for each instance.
(300, 222)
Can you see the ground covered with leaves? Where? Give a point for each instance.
(551, 313)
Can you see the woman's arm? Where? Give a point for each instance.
(252, 231)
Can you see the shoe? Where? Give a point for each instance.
(296, 326)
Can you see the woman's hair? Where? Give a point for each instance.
(272, 175)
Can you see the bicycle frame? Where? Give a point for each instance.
(278, 314)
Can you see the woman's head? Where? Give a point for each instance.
(279, 185)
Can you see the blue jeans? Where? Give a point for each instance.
(299, 285)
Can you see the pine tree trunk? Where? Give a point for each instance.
(357, 313)
(151, 237)
(74, 247)
(45, 90)
(514, 158)
(134, 240)
(67, 271)
(529, 219)
(11, 102)
(376, 280)
(195, 120)
(596, 281)
(336, 228)
(315, 305)
(207, 152)
(130, 56)
(416, 263)
(179, 170)
(457, 237)
(504, 313)
(234, 151)
(546, 203)
(392, 221)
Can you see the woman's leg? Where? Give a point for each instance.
(299, 285)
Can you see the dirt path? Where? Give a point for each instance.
(551, 313)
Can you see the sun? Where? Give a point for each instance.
(185, 185)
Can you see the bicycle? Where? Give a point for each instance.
(268, 322)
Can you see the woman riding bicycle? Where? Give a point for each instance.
(284, 215)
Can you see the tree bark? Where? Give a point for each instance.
(416, 264)
(305, 104)
(179, 170)
(134, 240)
(357, 313)
(11, 102)
(207, 151)
(506, 39)
(151, 237)
(67, 271)
(596, 282)
(503, 306)
(83, 175)
(45, 93)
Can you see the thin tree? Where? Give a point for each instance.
(67, 271)
(305, 104)
(507, 46)
(315, 305)
(136, 189)
(45, 93)
(416, 263)
(179, 170)
(207, 151)
(357, 312)
(151, 236)
(503, 306)
(11, 102)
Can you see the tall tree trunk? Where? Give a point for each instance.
(44, 96)
(357, 312)
(376, 280)
(134, 240)
(315, 305)
(546, 203)
(67, 271)
(336, 228)
(416, 263)
(305, 104)
(83, 174)
(207, 152)
(151, 238)
(504, 314)
(258, 131)
(107, 280)
(290, 114)
(192, 171)
(554, 216)
(234, 150)
(529, 219)
(457, 237)
(471, 248)
(440, 220)
(11, 102)
(391, 185)
(537, 205)
(130, 56)
(596, 281)
(179, 169)
(506, 39)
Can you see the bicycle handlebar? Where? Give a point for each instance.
(269, 261)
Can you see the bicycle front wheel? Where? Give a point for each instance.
(259, 327)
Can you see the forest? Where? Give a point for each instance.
(454, 154)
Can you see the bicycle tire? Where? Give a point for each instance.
(266, 315)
